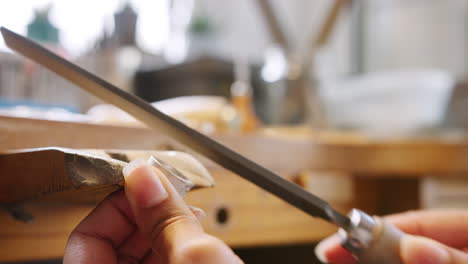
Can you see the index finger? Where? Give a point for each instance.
(449, 227)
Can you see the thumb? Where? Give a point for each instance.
(419, 250)
(163, 217)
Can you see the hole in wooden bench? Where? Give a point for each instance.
(222, 215)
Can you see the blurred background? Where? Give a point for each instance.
(373, 69)
(385, 67)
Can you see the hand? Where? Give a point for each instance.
(147, 223)
(435, 237)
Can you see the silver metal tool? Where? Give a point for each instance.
(358, 237)
(371, 239)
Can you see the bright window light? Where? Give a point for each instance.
(82, 22)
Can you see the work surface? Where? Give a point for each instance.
(402, 157)
(238, 212)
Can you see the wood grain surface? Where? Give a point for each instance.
(402, 158)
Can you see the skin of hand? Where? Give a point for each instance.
(432, 237)
(147, 222)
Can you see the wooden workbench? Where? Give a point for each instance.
(253, 217)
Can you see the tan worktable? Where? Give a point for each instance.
(254, 217)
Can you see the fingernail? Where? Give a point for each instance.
(142, 185)
(130, 167)
(419, 250)
(330, 250)
(322, 247)
(199, 213)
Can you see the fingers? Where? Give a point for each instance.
(175, 233)
(134, 249)
(413, 250)
(444, 226)
(159, 212)
(199, 213)
(203, 249)
(106, 228)
(419, 250)
(330, 250)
